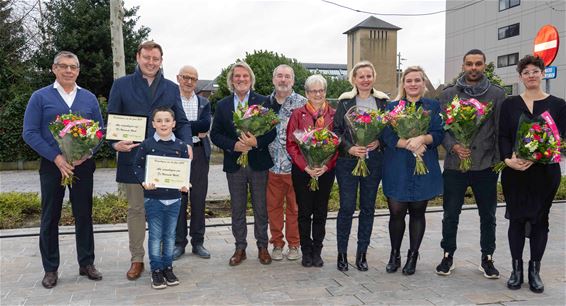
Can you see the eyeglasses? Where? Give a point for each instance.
(319, 91)
(529, 73)
(187, 78)
(65, 67)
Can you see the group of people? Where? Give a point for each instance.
(277, 175)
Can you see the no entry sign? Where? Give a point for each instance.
(546, 44)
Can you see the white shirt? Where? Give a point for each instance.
(67, 97)
(190, 106)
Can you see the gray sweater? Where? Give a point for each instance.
(485, 151)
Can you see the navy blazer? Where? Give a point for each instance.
(130, 95)
(202, 124)
(223, 134)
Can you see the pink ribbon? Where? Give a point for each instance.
(69, 126)
(399, 108)
(474, 102)
(548, 118)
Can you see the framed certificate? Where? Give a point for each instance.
(126, 127)
(168, 172)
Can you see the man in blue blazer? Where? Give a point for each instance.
(197, 109)
(139, 94)
(223, 134)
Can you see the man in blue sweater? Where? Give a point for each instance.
(62, 97)
(139, 94)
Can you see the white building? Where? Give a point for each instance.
(505, 31)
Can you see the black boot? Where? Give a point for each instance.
(516, 278)
(394, 262)
(316, 258)
(411, 264)
(361, 262)
(307, 257)
(342, 263)
(535, 282)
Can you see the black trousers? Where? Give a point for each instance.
(199, 189)
(313, 207)
(52, 194)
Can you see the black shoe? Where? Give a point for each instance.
(487, 267)
(307, 259)
(316, 258)
(178, 252)
(200, 251)
(91, 272)
(342, 262)
(516, 278)
(49, 280)
(446, 265)
(170, 277)
(411, 264)
(535, 282)
(361, 262)
(394, 262)
(157, 280)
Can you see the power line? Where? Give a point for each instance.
(403, 14)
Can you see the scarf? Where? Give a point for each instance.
(473, 90)
(317, 115)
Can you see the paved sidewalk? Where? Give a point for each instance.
(213, 282)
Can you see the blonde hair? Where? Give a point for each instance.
(357, 66)
(231, 72)
(401, 93)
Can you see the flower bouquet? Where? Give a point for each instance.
(537, 140)
(317, 145)
(77, 138)
(463, 119)
(256, 120)
(365, 126)
(408, 121)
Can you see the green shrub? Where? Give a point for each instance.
(106, 209)
(15, 207)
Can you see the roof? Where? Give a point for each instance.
(373, 23)
(324, 66)
(205, 85)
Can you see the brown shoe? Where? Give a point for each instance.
(135, 271)
(238, 257)
(49, 280)
(91, 272)
(264, 256)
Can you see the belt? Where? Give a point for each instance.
(198, 144)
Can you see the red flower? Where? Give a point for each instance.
(449, 120)
(66, 121)
(536, 127)
(99, 134)
(536, 137)
(537, 155)
(82, 131)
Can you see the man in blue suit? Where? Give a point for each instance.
(197, 109)
(139, 94)
(223, 134)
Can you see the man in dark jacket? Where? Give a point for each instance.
(139, 94)
(484, 154)
(223, 134)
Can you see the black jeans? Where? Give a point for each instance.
(52, 194)
(313, 207)
(199, 189)
(484, 187)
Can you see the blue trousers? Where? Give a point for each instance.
(162, 222)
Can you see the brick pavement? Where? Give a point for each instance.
(213, 282)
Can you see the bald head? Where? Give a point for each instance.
(187, 78)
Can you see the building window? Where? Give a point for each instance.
(507, 60)
(508, 31)
(507, 4)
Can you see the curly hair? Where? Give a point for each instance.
(530, 60)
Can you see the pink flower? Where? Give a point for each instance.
(536, 127)
(537, 155)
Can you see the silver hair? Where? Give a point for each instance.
(231, 72)
(315, 79)
(66, 54)
(284, 66)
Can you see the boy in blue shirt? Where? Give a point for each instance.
(161, 204)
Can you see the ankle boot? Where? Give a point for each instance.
(342, 263)
(411, 263)
(307, 257)
(516, 278)
(394, 261)
(316, 258)
(535, 282)
(361, 262)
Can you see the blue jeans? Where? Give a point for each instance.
(484, 187)
(348, 186)
(162, 222)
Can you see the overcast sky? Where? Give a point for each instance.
(212, 34)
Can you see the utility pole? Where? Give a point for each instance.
(117, 36)
(398, 72)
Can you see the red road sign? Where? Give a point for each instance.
(546, 44)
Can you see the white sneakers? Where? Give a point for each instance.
(277, 253)
(292, 254)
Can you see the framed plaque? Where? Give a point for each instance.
(168, 172)
(126, 127)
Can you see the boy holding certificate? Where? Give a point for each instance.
(161, 204)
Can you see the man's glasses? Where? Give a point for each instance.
(188, 78)
(65, 67)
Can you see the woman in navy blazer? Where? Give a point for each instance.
(404, 190)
